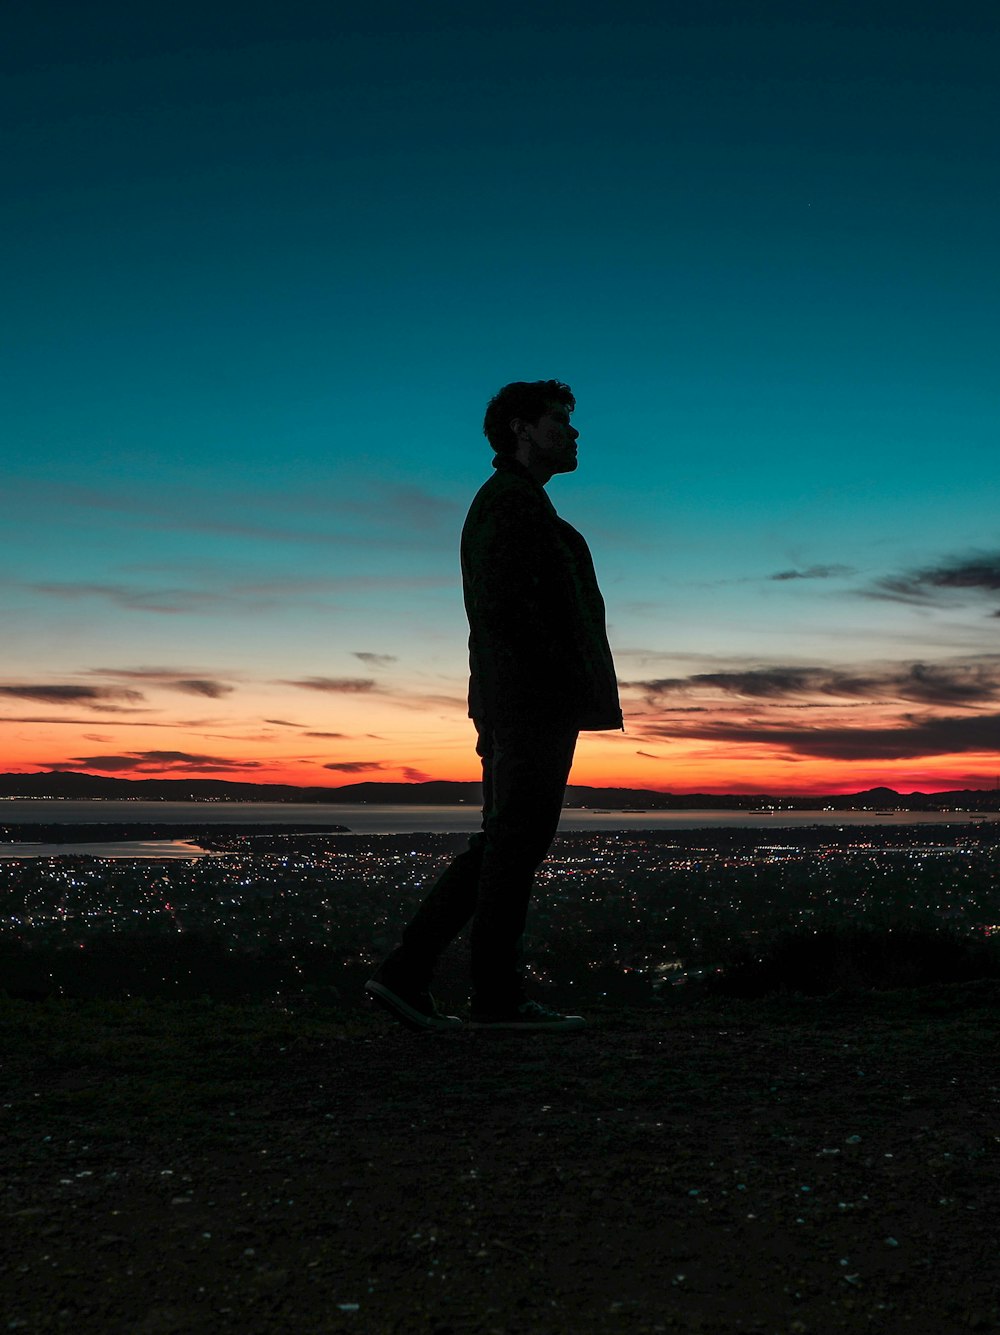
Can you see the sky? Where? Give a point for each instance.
(263, 266)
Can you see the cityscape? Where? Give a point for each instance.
(625, 915)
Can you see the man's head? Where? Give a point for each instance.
(529, 420)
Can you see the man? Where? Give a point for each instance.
(541, 670)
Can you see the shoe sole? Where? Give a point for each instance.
(406, 1014)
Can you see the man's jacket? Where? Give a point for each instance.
(538, 645)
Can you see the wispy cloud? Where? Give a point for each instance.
(180, 725)
(376, 660)
(343, 685)
(169, 679)
(354, 766)
(288, 586)
(971, 684)
(253, 595)
(200, 686)
(424, 701)
(409, 774)
(165, 601)
(909, 738)
(814, 572)
(156, 762)
(372, 513)
(94, 697)
(978, 574)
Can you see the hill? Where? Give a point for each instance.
(797, 1166)
(73, 785)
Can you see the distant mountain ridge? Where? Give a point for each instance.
(72, 785)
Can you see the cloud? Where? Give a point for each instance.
(354, 766)
(364, 766)
(757, 683)
(376, 660)
(931, 684)
(238, 595)
(976, 574)
(94, 697)
(762, 683)
(813, 572)
(156, 762)
(908, 739)
(419, 508)
(348, 685)
(653, 687)
(369, 514)
(283, 723)
(286, 585)
(184, 725)
(425, 701)
(970, 684)
(324, 734)
(200, 686)
(166, 601)
(170, 679)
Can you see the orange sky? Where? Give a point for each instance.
(328, 732)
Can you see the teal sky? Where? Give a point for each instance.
(263, 266)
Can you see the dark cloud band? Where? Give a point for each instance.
(964, 684)
(346, 685)
(92, 696)
(912, 739)
(158, 762)
(978, 574)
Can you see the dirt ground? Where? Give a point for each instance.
(781, 1166)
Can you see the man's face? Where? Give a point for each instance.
(553, 440)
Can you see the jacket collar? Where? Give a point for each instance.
(506, 463)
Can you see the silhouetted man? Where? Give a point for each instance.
(541, 670)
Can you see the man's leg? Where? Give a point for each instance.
(439, 919)
(529, 773)
(446, 909)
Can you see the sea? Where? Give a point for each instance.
(374, 818)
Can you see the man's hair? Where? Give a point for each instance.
(529, 400)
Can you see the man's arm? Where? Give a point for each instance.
(514, 577)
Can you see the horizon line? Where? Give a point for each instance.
(417, 783)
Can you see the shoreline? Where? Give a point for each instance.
(195, 839)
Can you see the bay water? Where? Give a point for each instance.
(374, 818)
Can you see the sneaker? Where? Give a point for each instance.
(528, 1015)
(417, 1010)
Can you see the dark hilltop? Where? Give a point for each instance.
(72, 785)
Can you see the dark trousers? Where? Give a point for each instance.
(524, 783)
